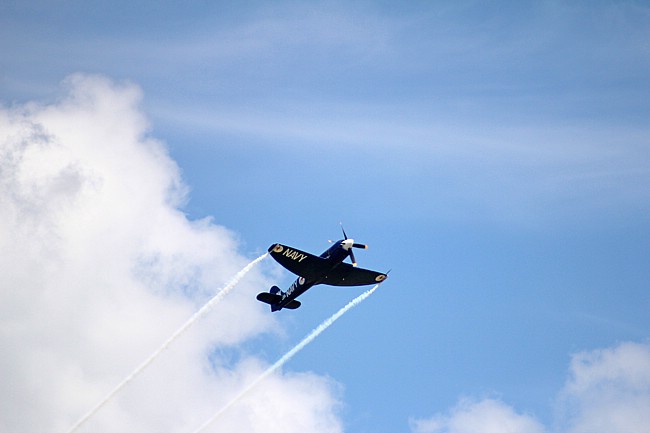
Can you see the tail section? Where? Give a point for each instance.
(292, 305)
(273, 297)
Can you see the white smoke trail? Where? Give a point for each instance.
(308, 339)
(207, 306)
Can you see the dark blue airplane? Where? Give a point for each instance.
(311, 270)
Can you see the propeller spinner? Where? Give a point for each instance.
(348, 244)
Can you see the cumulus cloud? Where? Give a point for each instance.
(608, 390)
(99, 267)
(486, 416)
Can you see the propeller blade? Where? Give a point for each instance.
(343, 230)
(362, 246)
(354, 261)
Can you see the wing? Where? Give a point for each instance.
(348, 275)
(299, 262)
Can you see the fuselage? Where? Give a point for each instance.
(334, 255)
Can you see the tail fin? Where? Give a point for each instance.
(273, 298)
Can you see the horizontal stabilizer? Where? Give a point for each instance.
(293, 305)
(274, 300)
(269, 298)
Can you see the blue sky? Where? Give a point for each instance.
(495, 156)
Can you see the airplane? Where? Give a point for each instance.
(328, 268)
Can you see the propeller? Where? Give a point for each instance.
(348, 244)
(354, 260)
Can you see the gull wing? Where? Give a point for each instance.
(347, 275)
(299, 262)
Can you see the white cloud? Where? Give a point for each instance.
(288, 404)
(99, 267)
(608, 391)
(485, 416)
